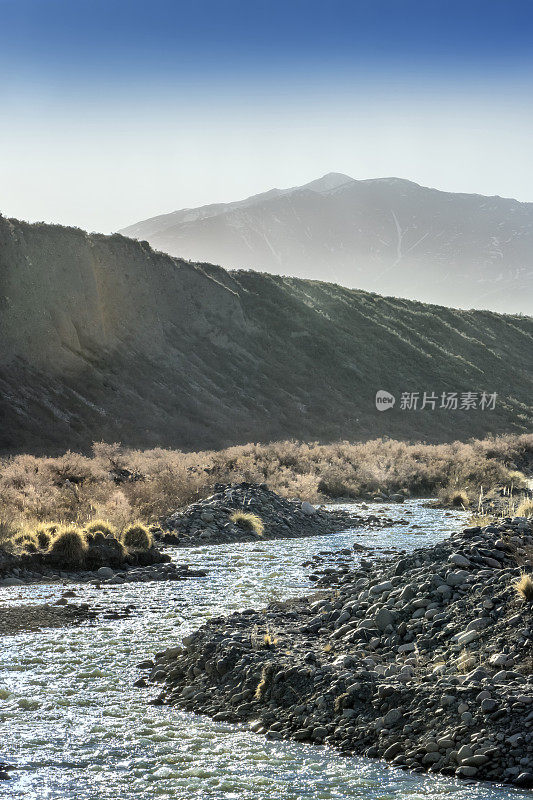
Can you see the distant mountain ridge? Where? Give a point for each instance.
(105, 339)
(386, 235)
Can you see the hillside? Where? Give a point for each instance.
(388, 235)
(103, 338)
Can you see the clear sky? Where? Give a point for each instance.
(112, 111)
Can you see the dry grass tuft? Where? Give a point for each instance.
(69, 546)
(101, 526)
(525, 509)
(26, 542)
(481, 519)
(137, 537)
(524, 587)
(263, 684)
(460, 499)
(248, 522)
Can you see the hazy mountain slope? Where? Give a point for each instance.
(105, 339)
(386, 235)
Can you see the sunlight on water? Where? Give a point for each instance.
(76, 728)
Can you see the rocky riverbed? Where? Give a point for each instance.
(209, 520)
(425, 660)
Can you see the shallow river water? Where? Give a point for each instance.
(77, 729)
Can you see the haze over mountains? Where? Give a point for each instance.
(103, 338)
(386, 235)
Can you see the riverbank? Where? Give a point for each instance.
(18, 573)
(425, 660)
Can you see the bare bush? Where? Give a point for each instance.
(121, 485)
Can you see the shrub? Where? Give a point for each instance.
(334, 486)
(457, 498)
(524, 587)
(72, 487)
(525, 509)
(101, 526)
(248, 522)
(137, 537)
(460, 498)
(10, 526)
(69, 546)
(117, 509)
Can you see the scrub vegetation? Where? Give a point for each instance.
(113, 487)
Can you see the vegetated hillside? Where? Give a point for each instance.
(386, 235)
(102, 338)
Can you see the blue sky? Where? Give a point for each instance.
(112, 111)
(122, 40)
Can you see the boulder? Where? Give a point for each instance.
(105, 572)
(11, 582)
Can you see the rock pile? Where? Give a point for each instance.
(209, 520)
(425, 660)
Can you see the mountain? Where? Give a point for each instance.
(386, 235)
(103, 338)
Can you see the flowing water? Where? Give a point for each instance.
(77, 729)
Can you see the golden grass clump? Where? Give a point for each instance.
(101, 526)
(525, 509)
(524, 587)
(263, 683)
(69, 546)
(248, 522)
(137, 537)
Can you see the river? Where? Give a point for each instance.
(77, 729)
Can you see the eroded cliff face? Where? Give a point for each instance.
(103, 338)
(69, 297)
